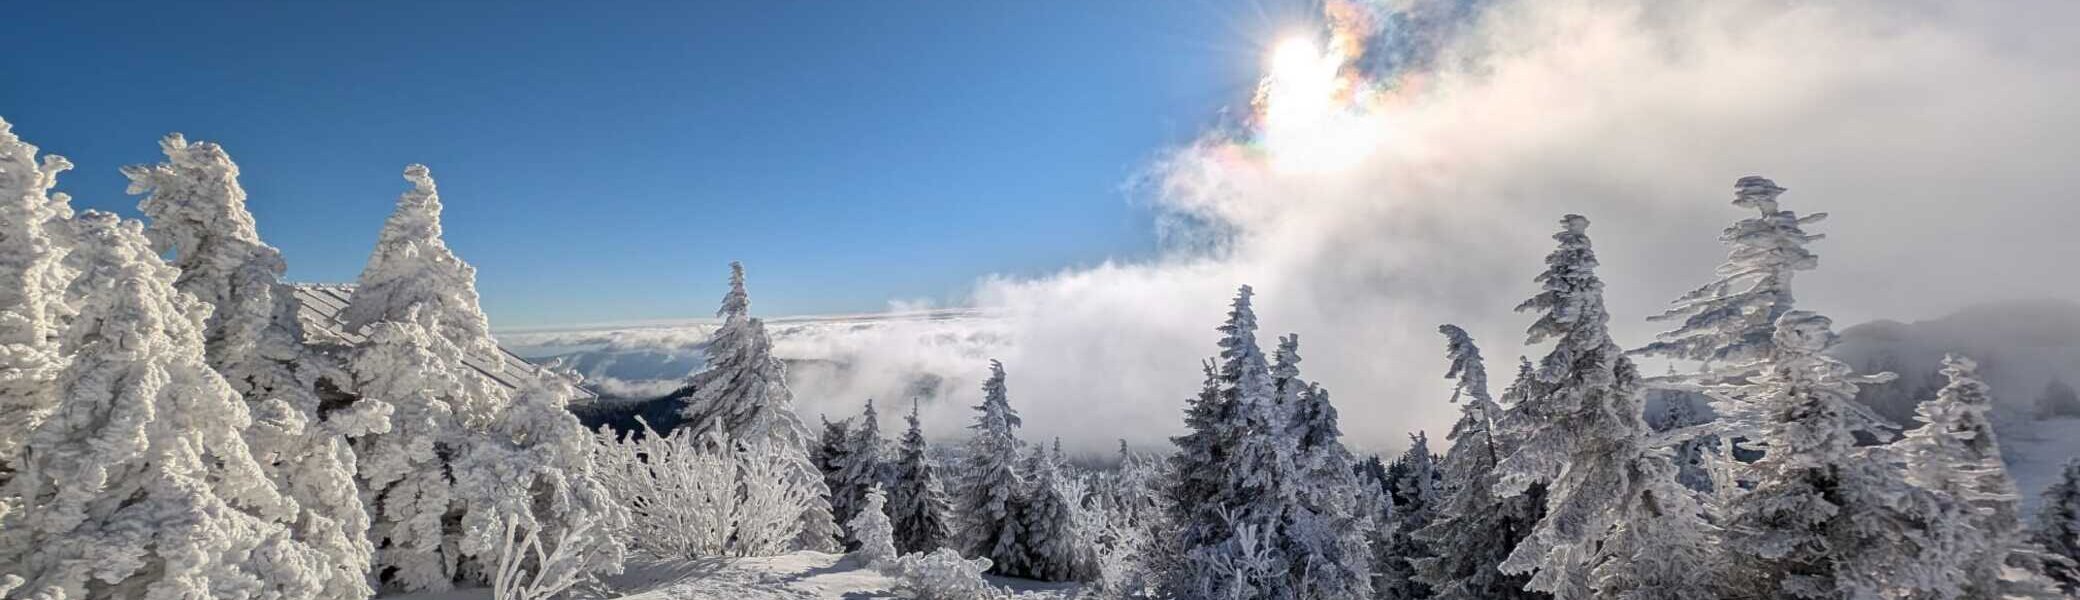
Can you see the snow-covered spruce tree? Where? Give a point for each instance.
(1824, 519)
(990, 499)
(1194, 477)
(829, 453)
(1580, 434)
(537, 509)
(417, 304)
(140, 484)
(1730, 321)
(1473, 530)
(1955, 455)
(876, 538)
(1329, 526)
(32, 281)
(1413, 483)
(743, 396)
(922, 514)
(2057, 530)
(861, 468)
(252, 337)
(1235, 478)
(1047, 527)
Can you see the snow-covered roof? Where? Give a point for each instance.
(322, 303)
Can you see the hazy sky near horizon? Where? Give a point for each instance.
(605, 164)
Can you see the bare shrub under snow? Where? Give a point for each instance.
(943, 575)
(690, 496)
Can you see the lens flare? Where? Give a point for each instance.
(1309, 117)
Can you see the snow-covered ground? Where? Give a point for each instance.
(798, 576)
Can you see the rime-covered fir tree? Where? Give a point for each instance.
(1195, 477)
(32, 282)
(1328, 525)
(918, 503)
(140, 484)
(861, 468)
(829, 455)
(1412, 483)
(990, 495)
(2057, 530)
(1473, 530)
(252, 337)
(1052, 548)
(743, 395)
(1954, 454)
(1580, 434)
(875, 536)
(1730, 321)
(416, 303)
(1235, 478)
(1824, 518)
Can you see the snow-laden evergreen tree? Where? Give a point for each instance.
(532, 481)
(1955, 455)
(990, 497)
(1413, 489)
(1730, 321)
(1257, 490)
(1244, 526)
(32, 281)
(830, 456)
(1824, 518)
(1580, 434)
(830, 446)
(743, 396)
(417, 304)
(872, 530)
(1473, 530)
(140, 484)
(919, 507)
(862, 467)
(1046, 524)
(252, 337)
(1195, 475)
(2057, 531)
(1327, 526)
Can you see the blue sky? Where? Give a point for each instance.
(604, 165)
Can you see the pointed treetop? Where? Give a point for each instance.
(996, 405)
(198, 213)
(22, 177)
(736, 303)
(1286, 359)
(1467, 366)
(1756, 192)
(18, 167)
(418, 213)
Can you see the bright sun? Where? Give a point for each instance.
(1308, 123)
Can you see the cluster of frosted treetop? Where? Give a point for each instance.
(169, 430)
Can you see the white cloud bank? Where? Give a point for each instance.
(1940, 135)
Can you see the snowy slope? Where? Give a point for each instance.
(798, 576)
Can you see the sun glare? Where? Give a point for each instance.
(1308, 122)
